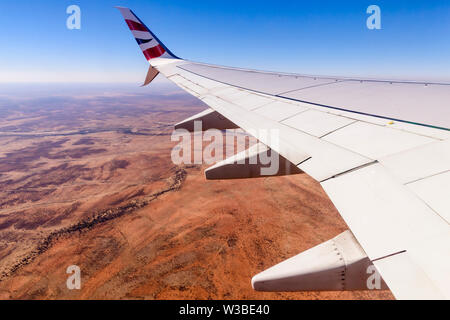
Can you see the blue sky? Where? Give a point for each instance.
(313, 37)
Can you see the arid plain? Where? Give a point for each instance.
(86, 179)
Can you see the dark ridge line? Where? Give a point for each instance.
(81, 132)
(88, 223)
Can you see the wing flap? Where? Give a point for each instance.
(317, 123)
(434, 191)
(406, 279)
(419, 163)
(375, 141)
(280, 110)
(388, 219)
(372, 203)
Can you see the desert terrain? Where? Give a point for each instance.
(86, 179)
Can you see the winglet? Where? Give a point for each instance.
(151, 74)
(150, 45)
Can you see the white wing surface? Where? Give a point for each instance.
(380, 149)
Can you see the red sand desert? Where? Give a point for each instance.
(89, 181)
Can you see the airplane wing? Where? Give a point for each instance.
(380, 149)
